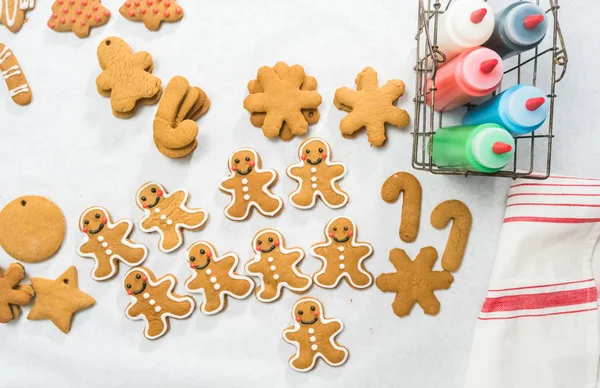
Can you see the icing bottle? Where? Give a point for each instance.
(473, 74)
(519, 27)
(520, 109)
(484, 148)
(466, 24)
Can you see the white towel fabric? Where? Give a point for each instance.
(538, 327)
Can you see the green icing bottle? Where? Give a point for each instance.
(484, 148)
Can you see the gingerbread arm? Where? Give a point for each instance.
(86, 248)
(291, 334)
(228, 183)
(134, 311)
(104, 81)
(143, 60)
(149, 222)
(178, 197)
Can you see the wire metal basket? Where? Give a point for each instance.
(543, 67)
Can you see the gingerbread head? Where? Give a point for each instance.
(314, 336)
(136, 282)
(93, 220)
(243, 161)
(341, 230)
(149, 195)
(314, 152)
(111, 52)
(200, 255)
(268, 241)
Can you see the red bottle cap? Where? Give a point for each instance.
(477, 16)
(532, 21)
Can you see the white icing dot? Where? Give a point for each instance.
(342, 257)
(313, 170)
(246, 197)
(314, 179)
(245, 189)
(146, 295)
(213, 279)
(208, 271)
(108, 252)
(341, 249)
(311, 331)
(276, 277)
(100, 238)
(270, 259)
(217, 286)
(314, 347)
(273, 268)
(342, 266)
(163, 216)
(157, 210)
(244, 181)
(169, 222)
(152, 302)
(313, 338)
(157, 309)
(314, 185)
(104, 244)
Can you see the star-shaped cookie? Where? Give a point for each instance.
(371, 106)
(57, 300)
(414, 281)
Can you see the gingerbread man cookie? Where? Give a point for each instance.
(342, 256)
(13, 294)
(153, 300)
(314, 336)
(78, 16)
(126, 77)
(12, 13)
(215, 277)
(167, 214)
(276, 266)
(151, 12)
(106, 242)
(317, 176)
(248, 186)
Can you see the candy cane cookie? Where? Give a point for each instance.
(11, 71)
(12, 13)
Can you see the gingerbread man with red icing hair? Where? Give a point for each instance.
(151, 12)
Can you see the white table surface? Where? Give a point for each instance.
(67, 146)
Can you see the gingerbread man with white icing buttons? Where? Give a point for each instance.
(153, 300)
(276, 266)
(317, 176)
(314, 336)
(248, 186)
(167, 214)
(215, 277)
(342, 256)
(106, 242)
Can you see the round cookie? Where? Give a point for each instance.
(32, 228)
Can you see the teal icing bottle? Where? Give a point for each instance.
(483, 148)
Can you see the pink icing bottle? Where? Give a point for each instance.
(473, 74)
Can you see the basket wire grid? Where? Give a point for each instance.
(426, 120)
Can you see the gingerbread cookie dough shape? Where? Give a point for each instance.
(167, 214)
(215, 277)
(152, 12)
(314, 336)
(248, 184)
(414, 281)
(317, 176)
(78, 16)
(371, 106)
(32, 228)
(12, 13)
(107, 242)
(10, 69)
(154, 301)
(13, 295)
(276, 266)
(342, 256)
(281, 99)
(59, 299)
(126, 77)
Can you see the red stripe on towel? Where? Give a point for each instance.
(536, 315)
(540, 301)
(550, 220)
(553, 185)
(555, 194)
(551, 204)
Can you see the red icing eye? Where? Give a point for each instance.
(303, 157)
(104, 220)
(160, 193)
(324, 154)
(84, 230)
(350, 233)
(298, 319)
(277, 243)
(258, 248)
(144, 278)
(331, 234)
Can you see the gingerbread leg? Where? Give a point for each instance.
(360, 279)
(329, 278)
(297, 282)
(237, 209)
(240, 287)
(304, 361)
(305, 196)
(334, 356)
(169, 240)
(155, 325)
(212, 302)
(269, 204)
(267, 292)
(6, 313)
(131, 255)
(333, 198)
(105, 267)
